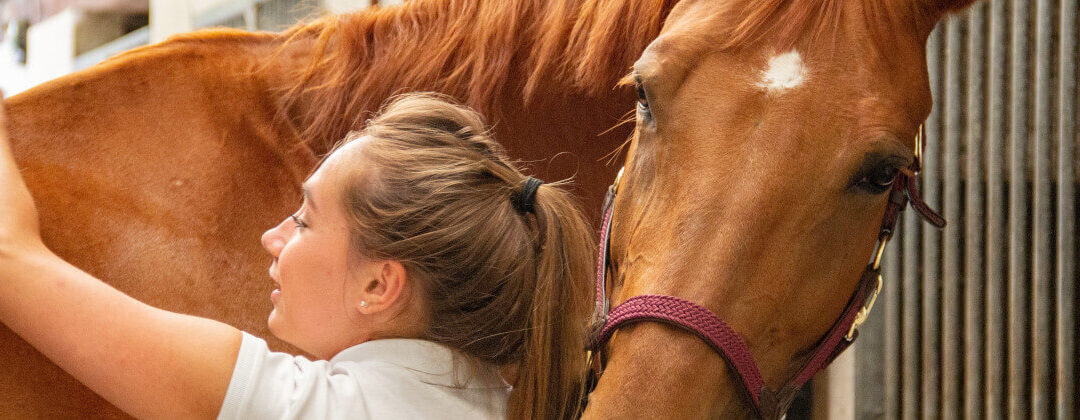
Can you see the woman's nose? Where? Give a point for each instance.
(273, 241)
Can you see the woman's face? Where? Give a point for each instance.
(314, 307)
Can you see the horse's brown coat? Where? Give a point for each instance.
(158, 170)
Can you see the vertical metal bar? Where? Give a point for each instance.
(931, 244)
(1042, 265)
(1066, 276)
(996, 350)
(871, 355)
(869, 367)
(892, 330)
(872, 360)
(974, 222)
(251, 16)
(951, 342)
(912, 368)
(1018, 213)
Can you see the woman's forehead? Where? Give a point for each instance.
(344, 156)
(346, 152)
(341, 165)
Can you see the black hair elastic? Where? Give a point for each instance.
(526, 198)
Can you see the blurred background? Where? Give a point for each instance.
(44, 39)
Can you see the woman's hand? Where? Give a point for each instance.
(20, 230)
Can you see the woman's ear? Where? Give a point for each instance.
(382, 285)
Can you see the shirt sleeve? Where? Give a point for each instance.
(274, 385)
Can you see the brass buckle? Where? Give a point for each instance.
(864, 312)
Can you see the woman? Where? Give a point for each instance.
(420, 263)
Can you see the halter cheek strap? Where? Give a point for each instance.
(768, 403)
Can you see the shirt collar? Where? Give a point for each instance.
(431, 362)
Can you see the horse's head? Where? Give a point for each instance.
(768, 135)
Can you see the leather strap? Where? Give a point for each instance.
(912, 191)
(696, 319)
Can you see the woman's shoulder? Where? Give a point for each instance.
(431, 363)
(395, 378)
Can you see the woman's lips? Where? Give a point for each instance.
(274, 295)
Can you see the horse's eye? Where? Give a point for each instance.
(876, 180)
(643, 99)
(884, 177)
(876, 177)
(878, 170)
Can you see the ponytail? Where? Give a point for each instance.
(548, 381)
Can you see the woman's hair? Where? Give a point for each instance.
(500, 282)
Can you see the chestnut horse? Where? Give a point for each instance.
(769, 134)
(159, 169)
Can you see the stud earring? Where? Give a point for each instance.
(363, 303)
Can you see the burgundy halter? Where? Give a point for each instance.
(768, 403)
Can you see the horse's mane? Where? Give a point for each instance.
(783, 23)
(473, 50)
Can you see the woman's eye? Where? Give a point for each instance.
(299, 222)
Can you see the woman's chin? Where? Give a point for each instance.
(274, 323)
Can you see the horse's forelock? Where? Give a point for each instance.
(784, 23)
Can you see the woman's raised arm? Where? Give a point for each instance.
(147, 361)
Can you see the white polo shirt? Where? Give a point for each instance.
(380, 379)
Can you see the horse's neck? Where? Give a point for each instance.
(663, 372)
(164, 160)
(156, 171)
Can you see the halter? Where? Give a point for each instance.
(768, 403)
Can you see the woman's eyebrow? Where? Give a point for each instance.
(307, 197)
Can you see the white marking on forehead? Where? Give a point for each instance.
(785, 71)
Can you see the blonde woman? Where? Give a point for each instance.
(420, 263)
